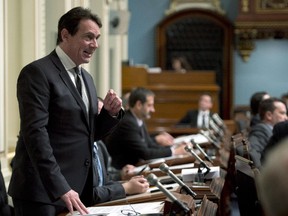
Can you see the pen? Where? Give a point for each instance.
(154, 191)
(139, 173)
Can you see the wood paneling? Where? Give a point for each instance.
(175, 92)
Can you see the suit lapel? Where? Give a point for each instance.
(68, 82)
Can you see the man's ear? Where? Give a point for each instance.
(268, 115)
(138, 104)
(64, 34)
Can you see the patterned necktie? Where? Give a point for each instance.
(81, 87)
(97, 165)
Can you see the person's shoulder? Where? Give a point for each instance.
(41, 62)
(192, 111)
(282, 125)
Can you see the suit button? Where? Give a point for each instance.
(87, 163)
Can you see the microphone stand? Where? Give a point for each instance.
(164, 168)
(177, 207)
(201, 150)
(202, 164)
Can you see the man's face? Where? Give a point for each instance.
(205, 103)
(147, 108)
(81, 46)
(279, 114)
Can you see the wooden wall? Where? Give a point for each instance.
(175, 92)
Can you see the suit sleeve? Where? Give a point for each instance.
(142, 148)
(258, 139)
(33, 92)
(111, 190)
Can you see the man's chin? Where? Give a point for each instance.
(148, 116)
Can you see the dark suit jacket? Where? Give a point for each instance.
(128, 145)
(190, 118)
(54, 150)
(258, 138)
(4, 207)
(111, 190)
(280, 132)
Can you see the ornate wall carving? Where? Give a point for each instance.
(260, 19)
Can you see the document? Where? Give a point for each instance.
(198, 138)
(129, 209)
(189, 175)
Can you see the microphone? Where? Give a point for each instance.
(201, 150)
(189, 149)
(164, 168)
(215, 128)
(210, 139)
(218, 120)
(153, 180)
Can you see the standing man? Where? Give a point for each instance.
(199, 118)
(130, 142)
(52, 168)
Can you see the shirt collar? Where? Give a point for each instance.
(139, 121)
(65, 59)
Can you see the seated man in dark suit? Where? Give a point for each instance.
(105, 189)
(199, 118)
(280, 132)
(4, 207)
(130, 142)
(255, 101)
(271, 111)
(111, 190)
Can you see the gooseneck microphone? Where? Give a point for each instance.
(218, 120)
(190, 150)
(201, 150)
(153, 180)
(164, 168)
(210, 139)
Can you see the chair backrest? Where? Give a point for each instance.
(246, 189)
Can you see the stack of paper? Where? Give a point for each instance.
(198, 138)
(129, 209)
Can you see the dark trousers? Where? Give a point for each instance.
(30, 208)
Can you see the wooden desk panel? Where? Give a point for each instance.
(176, 93)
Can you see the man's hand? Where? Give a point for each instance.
(137, 184)
(164, 139)
(112, 103)
(72, 200)
(127, 172)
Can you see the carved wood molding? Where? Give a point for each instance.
(260, 19)
(176, 5)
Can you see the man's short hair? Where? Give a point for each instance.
(72, 18)
(268, 105)
(139, 94)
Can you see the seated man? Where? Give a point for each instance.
(271, 111)
(105, 189)
(280, 132)
(130, 142)
(163, 138)
(199, 118)
(255, 101)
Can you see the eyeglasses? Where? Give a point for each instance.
(130, 212)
